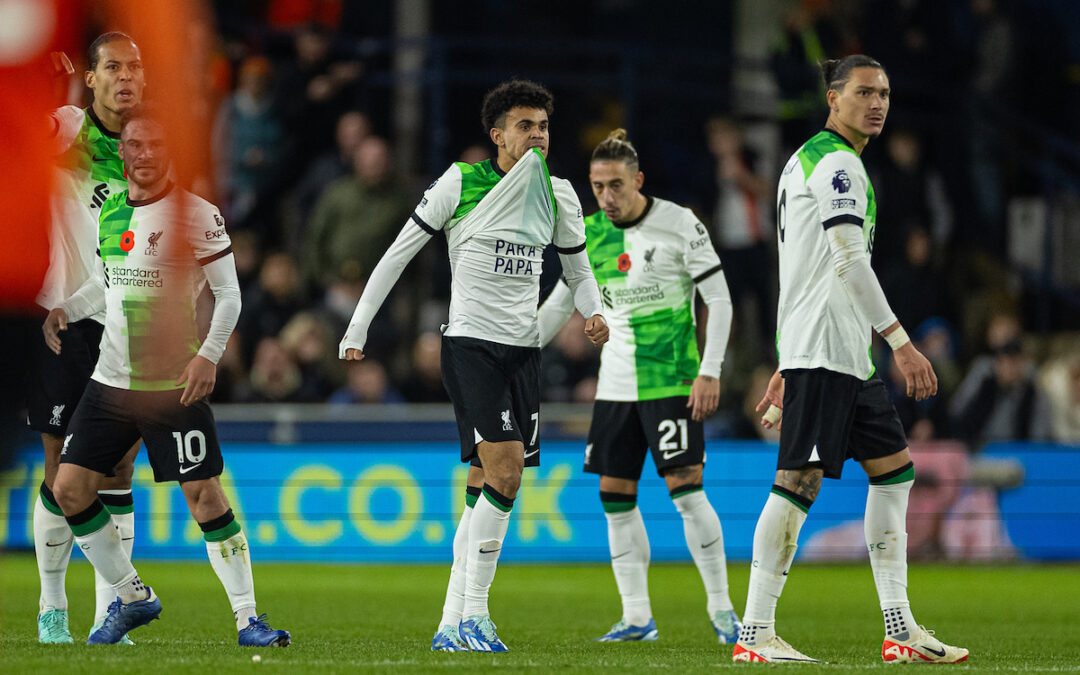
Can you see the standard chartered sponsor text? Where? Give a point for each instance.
(136, 276)
(637, 294)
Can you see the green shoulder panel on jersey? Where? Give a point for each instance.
(547, 177)
(871, 205)
(94, 153)
(604, 243)
(824, 143)
(113, 221)
(476, 181)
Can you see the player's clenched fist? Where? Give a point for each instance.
(354, 354)
(596, 330)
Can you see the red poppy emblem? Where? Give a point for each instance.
(127, 241)
(624, 262)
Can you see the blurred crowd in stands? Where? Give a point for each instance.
(307, 175)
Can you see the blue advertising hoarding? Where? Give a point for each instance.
(400, 502)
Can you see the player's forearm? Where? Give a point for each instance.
(85, 302)
(714, 291)
(386, 273)
(579, 278)
(221, 275)
(554, 312)
(852, 265)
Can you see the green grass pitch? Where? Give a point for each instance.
(359, 618)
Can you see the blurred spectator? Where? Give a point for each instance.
(270, 303)
(474, 154)
(274, 378)
(314, 90)
(936, 340)
(913, 194)
(309, 343)
(352, 128)
(231, 372)
(357, 217)
(248, 143)
(998, 399)
(1060, 383)
(916, 289)
(808, 36)
(423, 384)
(741, 233)
(569, 359)
(245, 250)
(366, 381)
(748, 424)
(994, 84)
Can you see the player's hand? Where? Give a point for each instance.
(918, 373)
(200, 376)
(352, 354)
(704, 397)
(596, 330)
(773, 398)
(61, 64)
(55, 322)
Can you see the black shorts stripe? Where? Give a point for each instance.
(842, 219)
(573, 249)
(423, 226)
(707, 273)
(217, 256)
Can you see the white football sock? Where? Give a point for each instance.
(52, 544)
(630, 554)
(885, 527)
(105, 552)
(104, 593)
(487, 529)
(776, 539)
(231, 561)
(705, 539)
(455, 588)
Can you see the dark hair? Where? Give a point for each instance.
(511, 94)
(143, 111)
(103, 39)
(615, 148)
(837, 72)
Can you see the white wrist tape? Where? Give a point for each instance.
(898, 338)
(772, 415)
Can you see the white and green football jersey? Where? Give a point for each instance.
(497, 226)
(88, 170)
(647, 270)
(153, 252)
(824, 184)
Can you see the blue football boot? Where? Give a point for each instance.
(259, 634)
(125, 617)
(448, 640)
(478, 634)
(726, 624)
(623, 632)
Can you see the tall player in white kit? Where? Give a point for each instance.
(833, 406)
(88, 172)
(497, 215)
(650, 257)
